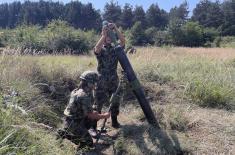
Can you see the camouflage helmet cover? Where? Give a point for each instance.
(90, 76)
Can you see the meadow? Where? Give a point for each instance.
(191, 91)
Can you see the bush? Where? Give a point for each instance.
(209, 35)
(228, 41)
(129, 42)
(150, 34)
(58, 36)
(193, 34)
(189, 34)
(175, 31)
(162, 38)
(5, 35)
(217, 41)
(90, 37)
(137, 35)
(26, 37)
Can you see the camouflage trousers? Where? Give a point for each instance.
(124, 86)
(77, 130)
(105, 93)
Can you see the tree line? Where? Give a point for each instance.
(153, 26)
(85, 16)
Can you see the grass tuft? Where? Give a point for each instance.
(209, 94)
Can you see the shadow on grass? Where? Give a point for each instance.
(152, 141)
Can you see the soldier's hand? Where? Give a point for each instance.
(112, 26)
(104, 31)
(94, 107)
(106, 115)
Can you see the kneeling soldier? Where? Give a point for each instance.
(79, 114)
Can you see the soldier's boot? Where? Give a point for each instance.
(92, 128)
(92, 132)
(115, 122)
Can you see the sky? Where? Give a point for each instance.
(163, 4)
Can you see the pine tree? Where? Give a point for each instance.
(112, 12)
(91, 17)
(137, 35)
(180, 13)
(127, 17)
(228, 27)
(4, 15)
(156, 17)
(139, 15)
(73, 13)
(208, 14)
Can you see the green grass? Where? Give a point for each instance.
(17, 137)
(207, 82)
(209, 94)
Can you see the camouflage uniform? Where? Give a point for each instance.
(108, 81)
(76, 122)
(123, 86)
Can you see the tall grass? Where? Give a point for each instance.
(207, 76)
(43, 85)
(17, 136)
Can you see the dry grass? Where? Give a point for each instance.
(181, 53)
(167, 74)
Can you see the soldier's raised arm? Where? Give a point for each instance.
(101, 41)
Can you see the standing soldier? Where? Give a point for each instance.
(107, 68)
(79, 113)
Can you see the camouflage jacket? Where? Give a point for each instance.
(80, 104)
(107, 63)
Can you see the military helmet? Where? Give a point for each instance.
(90, 76)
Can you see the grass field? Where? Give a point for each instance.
(191, 91)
